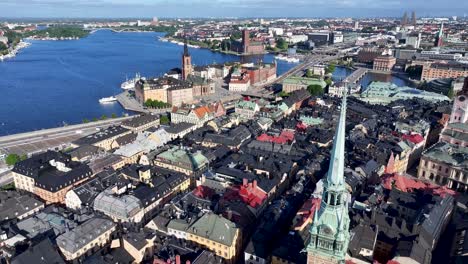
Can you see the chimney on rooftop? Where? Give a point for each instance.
(245, 182)
(254, 185)
(177, 259)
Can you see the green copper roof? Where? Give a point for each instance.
(458, 131)
(310, 121)
(215, 228)
(178, 224)
(246, 104)
(335, 174)
(304, 81)
(184, 158)
(329, 232)
(385, 92)
(454, 155)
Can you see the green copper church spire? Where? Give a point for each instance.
(329, 232)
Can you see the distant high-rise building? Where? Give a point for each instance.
(439, 39)
(329, 234)
(404, 20)
(186, 62)
(413, 18)
(356, 25)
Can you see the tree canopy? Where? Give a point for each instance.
(330, 68)
(236, 35)
(315, 89)
(12, 159)
(59, 32)
(451, 93)
(164, 120)
(3, 46)
(281, 44)
(156, 104)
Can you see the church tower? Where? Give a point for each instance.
(439, 40)
(329, 232)
(186, 62)
(460, 105)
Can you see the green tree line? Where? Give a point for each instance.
(58, 32)
(156, 104)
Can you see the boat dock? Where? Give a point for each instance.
(129, 102)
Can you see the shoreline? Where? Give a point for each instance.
(53, 39)
(180, 43)
(21, 45)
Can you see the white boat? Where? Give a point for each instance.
(130, 84)
(107, 100)
(287, 59)
(162, 39)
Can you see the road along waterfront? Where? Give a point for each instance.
(52, 83)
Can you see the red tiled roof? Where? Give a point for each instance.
(414, 138)
(306, 212)
(407, 184)
(248, 193)
(301, 126)
(202, 111)
(286, 136)
(241, 80)
(203, 192)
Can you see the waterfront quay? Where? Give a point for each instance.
(37, 141)
(128, 102)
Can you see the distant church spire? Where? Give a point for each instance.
(187, 68)
(329, 234)
(336, 167)
(186, 52)
(439, 40)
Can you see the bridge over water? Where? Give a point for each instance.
(356, 76)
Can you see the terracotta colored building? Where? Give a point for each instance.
(368, 54)
(247, 46)
(384, 63)
(261, 73)
(165, 89)
(444, 70)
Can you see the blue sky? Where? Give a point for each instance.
(229, 8)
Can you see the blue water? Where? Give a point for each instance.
(52, 83)
(342, 72)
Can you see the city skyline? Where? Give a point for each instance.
(224, 8)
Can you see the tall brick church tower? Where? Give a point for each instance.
(245, 40)
(329, 234)
(186, 62)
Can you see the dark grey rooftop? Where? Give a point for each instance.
(15, 206)
(44, 252)
(100, 135)
(177, 128)
(140, 121)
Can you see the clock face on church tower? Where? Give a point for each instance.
(327, 230)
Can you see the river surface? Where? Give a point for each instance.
(53, 83)
(342, 72)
